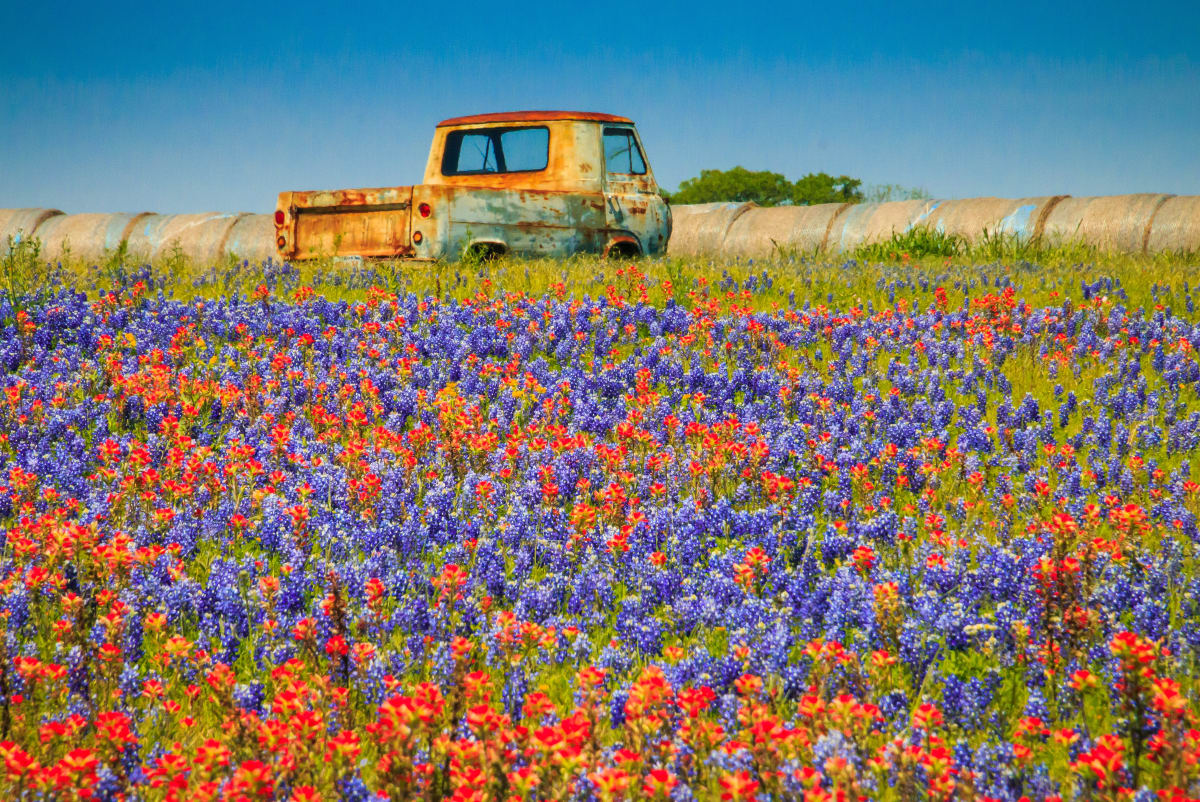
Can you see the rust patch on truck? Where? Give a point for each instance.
(533, 117)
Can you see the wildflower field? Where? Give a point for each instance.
(602, 531)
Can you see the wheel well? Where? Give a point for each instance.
(623, 248)
(485, 250)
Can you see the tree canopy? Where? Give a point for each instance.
(767, 189)
(824, 188)
(738, 184)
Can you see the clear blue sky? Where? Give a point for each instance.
(219, 106)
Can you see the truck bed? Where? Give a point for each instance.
(366, 222)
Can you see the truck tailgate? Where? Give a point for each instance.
(346, 222)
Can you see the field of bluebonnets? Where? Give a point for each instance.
(586, 530)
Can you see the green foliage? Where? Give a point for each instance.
(998, 246)
(739, 184)
(924, 243)
(176, 261)
(26, 275)
(817, 188)
(685, 280)
(115, 263)
(917, 242)
(766, 188)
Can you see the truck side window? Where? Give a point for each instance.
(496, 150)
(621, 152)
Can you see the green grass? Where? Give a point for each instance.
(926, 242)
(907, 268)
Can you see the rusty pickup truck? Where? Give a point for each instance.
(535, 183)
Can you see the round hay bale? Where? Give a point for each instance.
(969, 218)
(22, 223)
(199, 237)
(85, 236)
(894, 217)
(759, 232)
(1176, 226)
(252, 238)
(1110, 222)
(700, 228)
(849, 228)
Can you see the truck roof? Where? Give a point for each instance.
(534, 116)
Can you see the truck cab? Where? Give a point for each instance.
(535, 183)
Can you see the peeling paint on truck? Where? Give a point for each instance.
(573, 198)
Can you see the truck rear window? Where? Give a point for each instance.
(479, 151)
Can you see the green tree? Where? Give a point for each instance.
(738, 184)
(766, 188)
(817, 188)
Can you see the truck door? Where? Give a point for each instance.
(506, 195)
(628, 191)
